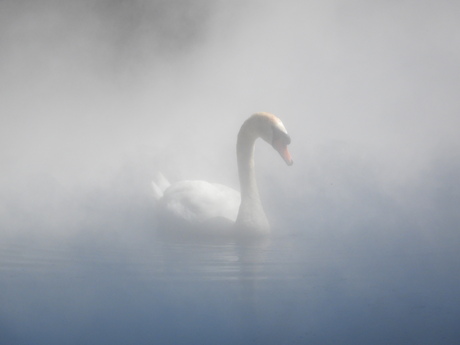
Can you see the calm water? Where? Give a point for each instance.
(295, 288)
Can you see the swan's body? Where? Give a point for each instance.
(196, 202)
(214, 208)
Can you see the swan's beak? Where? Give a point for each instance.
(282, 149)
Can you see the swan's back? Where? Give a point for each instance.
(197, 202)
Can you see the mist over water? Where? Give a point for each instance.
(96, 97)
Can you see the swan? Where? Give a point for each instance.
(212, 208)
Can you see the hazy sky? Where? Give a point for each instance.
(97, 96)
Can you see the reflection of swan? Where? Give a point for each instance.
(214, 208)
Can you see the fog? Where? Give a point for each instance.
(91, 91)
(96, 97)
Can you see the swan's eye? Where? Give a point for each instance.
(280, 136)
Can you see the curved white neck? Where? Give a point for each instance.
(251, 215)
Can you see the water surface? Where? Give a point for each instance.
(290, 289)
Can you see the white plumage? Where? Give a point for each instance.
(203, 207)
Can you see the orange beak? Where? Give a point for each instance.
(282, 149)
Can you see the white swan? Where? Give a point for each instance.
(215, 209)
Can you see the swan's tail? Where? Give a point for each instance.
(159, 185)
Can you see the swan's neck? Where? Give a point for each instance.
(251, 216)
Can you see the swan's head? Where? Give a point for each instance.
(271, 129)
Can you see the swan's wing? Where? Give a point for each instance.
(198, 201)
(162, 181)
(157, 192)
(159, 185)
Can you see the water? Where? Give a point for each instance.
(291, 289)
